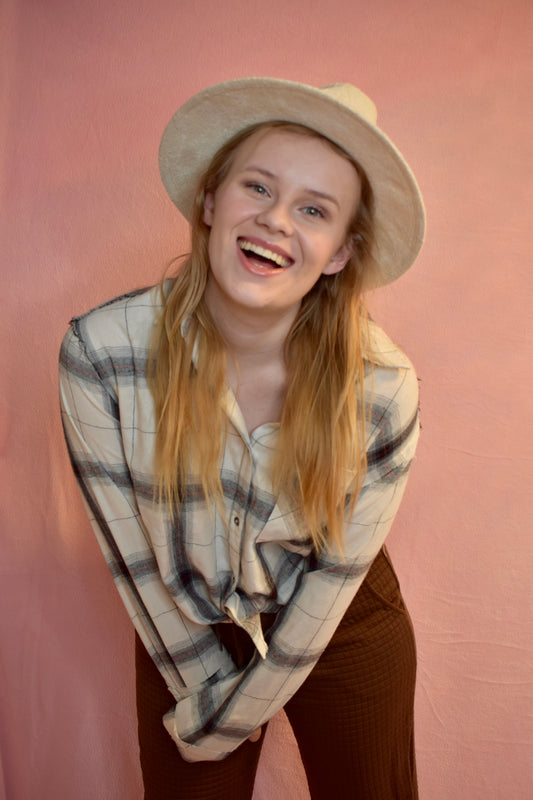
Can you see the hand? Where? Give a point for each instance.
(255, 736)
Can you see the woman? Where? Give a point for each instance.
(242, 437)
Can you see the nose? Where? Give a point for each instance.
(276, 217)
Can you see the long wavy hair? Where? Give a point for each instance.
(319, 462)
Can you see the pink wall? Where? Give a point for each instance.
(86, 88)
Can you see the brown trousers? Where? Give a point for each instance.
(352, 717)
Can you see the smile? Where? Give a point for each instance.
(264, 255)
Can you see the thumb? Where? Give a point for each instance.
(255, 736)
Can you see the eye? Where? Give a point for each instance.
(313, 211)
(258, 188)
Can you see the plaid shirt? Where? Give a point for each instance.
(179, 576)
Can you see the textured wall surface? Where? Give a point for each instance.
(85, 90)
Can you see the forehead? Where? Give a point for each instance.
(289, 138)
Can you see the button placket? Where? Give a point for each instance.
(241, 501)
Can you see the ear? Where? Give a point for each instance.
(339, 260)
(209, 208)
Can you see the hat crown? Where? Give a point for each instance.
(353, 98)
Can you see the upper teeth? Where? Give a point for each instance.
(244, 244)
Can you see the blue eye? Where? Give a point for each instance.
(313, 211)
(257, 187)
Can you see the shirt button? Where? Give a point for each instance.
(236, 521)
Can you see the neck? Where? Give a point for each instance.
(252, 334)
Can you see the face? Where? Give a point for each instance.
(278, 222)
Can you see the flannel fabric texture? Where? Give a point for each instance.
(180, 575)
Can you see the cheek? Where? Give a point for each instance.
(320, 248)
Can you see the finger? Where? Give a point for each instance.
(255, 735)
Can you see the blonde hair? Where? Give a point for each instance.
(320, 458)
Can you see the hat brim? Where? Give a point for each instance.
(209, 119)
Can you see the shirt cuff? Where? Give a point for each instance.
(190, 752)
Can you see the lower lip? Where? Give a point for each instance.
(255, 269)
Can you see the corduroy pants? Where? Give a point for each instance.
(352, 717)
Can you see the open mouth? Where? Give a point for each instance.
(263, 255)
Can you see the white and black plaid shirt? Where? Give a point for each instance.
(178, 578)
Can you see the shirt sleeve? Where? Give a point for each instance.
(211, 723)
(187, 653)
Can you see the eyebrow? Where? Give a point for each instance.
(314, 192)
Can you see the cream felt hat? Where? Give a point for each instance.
(340, 112)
